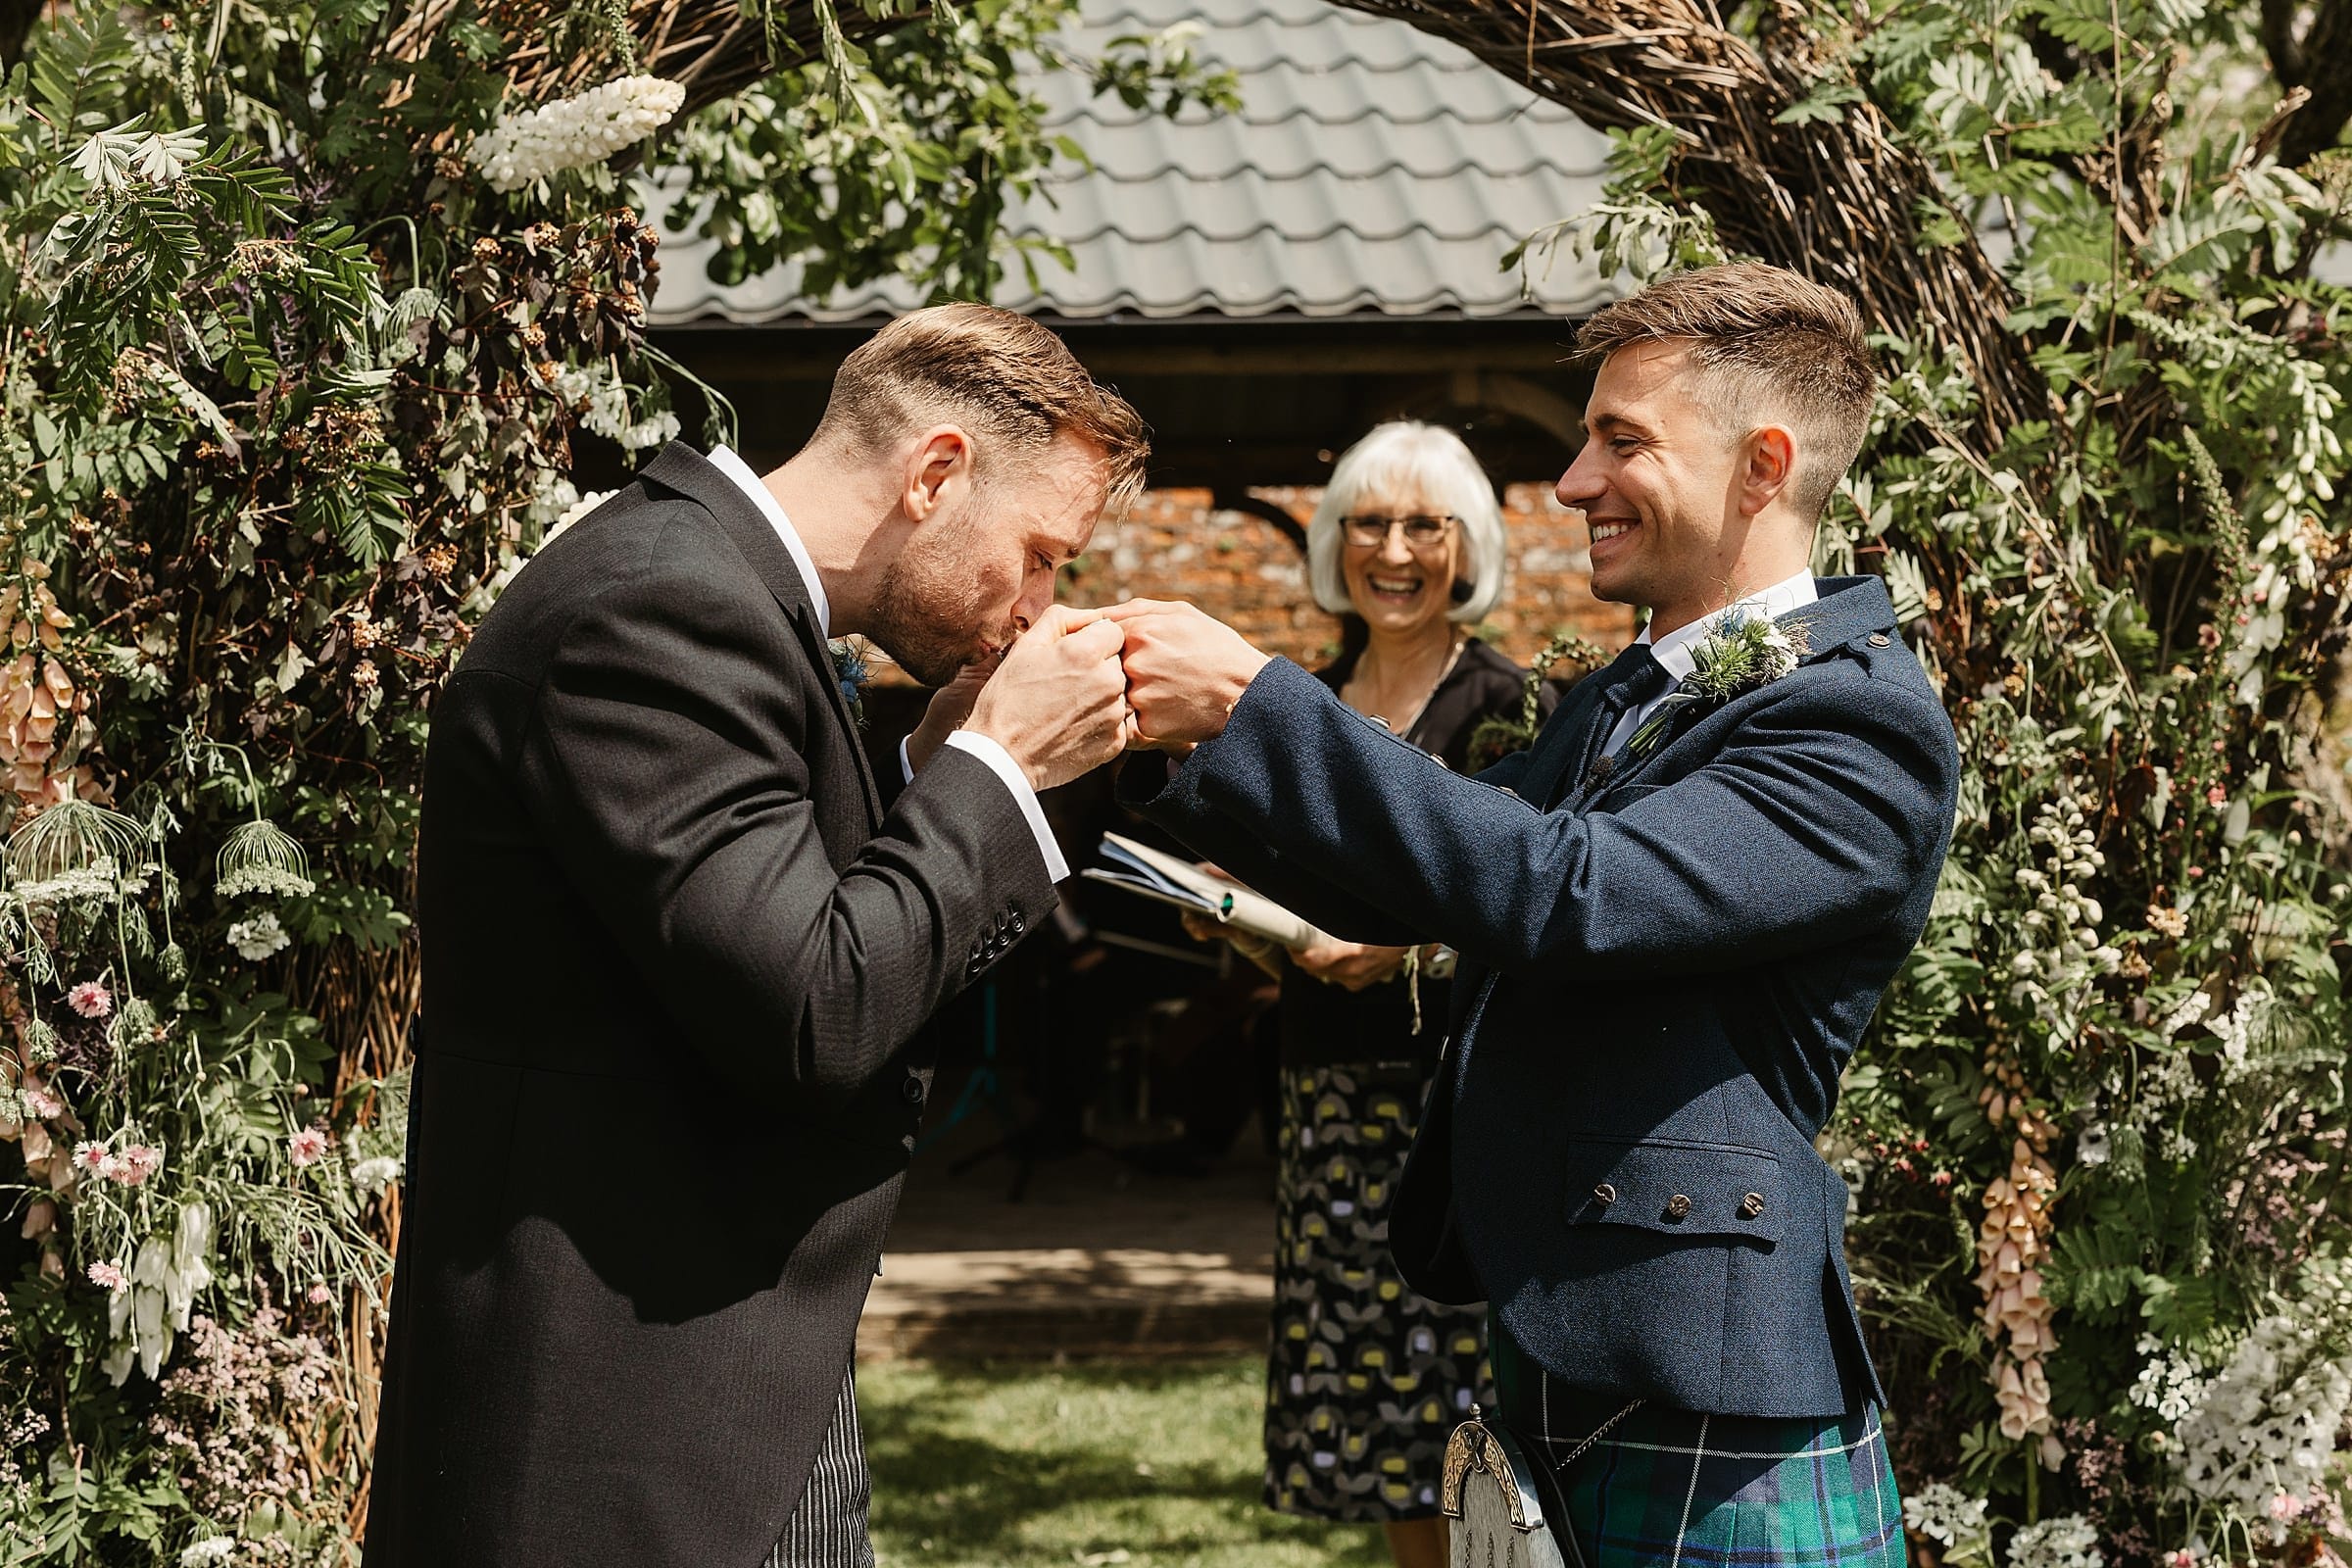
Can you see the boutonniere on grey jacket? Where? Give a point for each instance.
(1744, 653)
(852, 673)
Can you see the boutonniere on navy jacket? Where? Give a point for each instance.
(1744, 652)
(1674, 913)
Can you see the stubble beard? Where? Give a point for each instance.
(923, 623)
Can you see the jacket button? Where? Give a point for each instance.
(1751, 1206)
(1019, 926)
(1878, 639)
(1604, 1195)
(910, 1089)
(1677, 1207)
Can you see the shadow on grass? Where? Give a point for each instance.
(1019, 1463)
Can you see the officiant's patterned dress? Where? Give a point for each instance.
(1365, 1380)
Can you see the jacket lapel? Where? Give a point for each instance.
(1848, 609)
(689, 473)
(1552, 776)
(1563, 741)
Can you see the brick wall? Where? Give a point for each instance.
(1238, 567)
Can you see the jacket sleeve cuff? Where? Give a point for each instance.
(999, 763)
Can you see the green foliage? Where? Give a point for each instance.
(938, 175)
(287, 390)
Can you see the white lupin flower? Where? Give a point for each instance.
(574, 132)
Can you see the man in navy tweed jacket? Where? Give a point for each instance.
(1676, 915)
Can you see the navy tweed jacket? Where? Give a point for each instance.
(1664, 972)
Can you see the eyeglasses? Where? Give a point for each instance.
(1421, 529)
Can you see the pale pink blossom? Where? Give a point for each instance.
(43, 1103)
(2285, 1506)
(307, 1146)
(91, 999)
(2184, 1557)
(138, 1162)
(91, 1156)
(320, 1296)
(105, 1274)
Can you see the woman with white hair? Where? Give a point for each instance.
(1366, 1379)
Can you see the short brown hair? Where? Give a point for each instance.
(999, 371)
(1761, 333)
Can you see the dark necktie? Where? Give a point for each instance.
(1633, 678)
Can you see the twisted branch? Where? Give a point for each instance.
(1841, 202)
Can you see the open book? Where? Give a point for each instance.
(1140, 869)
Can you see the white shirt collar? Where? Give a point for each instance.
(735, 469)
(1674, 648)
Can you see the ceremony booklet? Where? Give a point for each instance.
(1140, 869)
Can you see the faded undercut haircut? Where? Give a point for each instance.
(1771, 347)
(999, 374)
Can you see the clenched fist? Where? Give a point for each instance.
(1184, 670)
(1058, 701)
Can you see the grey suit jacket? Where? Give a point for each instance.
(674, 951)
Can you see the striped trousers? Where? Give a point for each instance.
(828, 1528)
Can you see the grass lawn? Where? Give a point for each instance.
(1006, 1464)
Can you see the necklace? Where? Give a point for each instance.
(1422, 706)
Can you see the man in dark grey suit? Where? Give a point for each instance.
(677, 938)
(1674, 913)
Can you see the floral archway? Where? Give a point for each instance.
(308, 309)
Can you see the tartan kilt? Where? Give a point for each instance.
(1692, 1491)
(1735, 1492)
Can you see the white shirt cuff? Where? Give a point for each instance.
(1000, 763)
(906, 764)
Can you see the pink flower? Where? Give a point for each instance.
(320, 1296)
(90, 1156)
(105, 1274)
(43, 1103)
(91, 999)
(2285, 1506)
(138, 1162)
(2182, 1559)
(306, 1147)
(2217, 795)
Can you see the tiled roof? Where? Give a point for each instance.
(1371, 168)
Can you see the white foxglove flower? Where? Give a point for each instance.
(574, 132)
(258, 938)
(2264, 1432)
